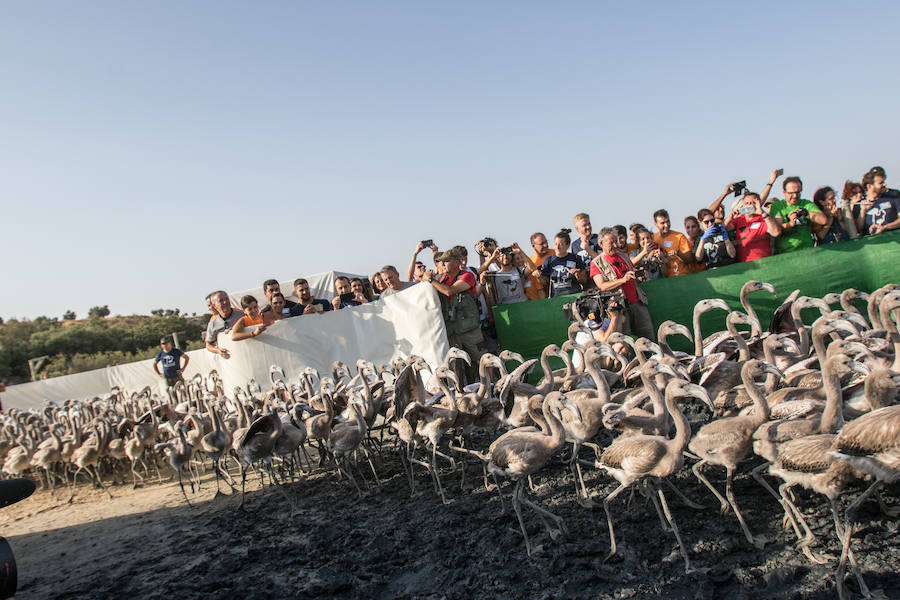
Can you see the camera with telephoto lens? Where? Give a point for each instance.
(592, 304)
(739, 187)
(640, 273)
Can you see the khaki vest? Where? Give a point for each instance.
(608, 274)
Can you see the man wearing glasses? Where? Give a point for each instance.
(796, 216)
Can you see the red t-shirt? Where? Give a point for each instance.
(463, 275)
(753, 239)
(619, 267)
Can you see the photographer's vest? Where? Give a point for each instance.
(608, 274)
(460, 310)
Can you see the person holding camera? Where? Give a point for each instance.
(612, 271)
(564, 271)
(507, 285)
(308, 304)
(715, 248)
(835, 228)
(674, 245)
(753, 226)
(416, 271)
(346, 296)
(647, 256)
(485, 248)
(796, 215)
(458, 289)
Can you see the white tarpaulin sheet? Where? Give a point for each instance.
(408, 322)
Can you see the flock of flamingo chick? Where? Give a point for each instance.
(815, 403)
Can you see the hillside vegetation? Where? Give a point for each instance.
(74, 345)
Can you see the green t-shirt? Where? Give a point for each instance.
(799, 237)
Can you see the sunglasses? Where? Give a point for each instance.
(708, 222)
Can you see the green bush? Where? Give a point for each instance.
(77, 346)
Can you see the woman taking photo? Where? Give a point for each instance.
(833, 230)
(564, 271)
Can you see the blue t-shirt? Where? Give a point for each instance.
(562, 282)
(577, 249)
(884, 211)
(171, 362)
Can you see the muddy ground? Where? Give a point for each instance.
(147, 543)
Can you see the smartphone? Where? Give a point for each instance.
(318, 307)
(427, 243)
(347, 297)
(746, 210)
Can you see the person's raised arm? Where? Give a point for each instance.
(529, 264)
(239, 331)
(490, 260)
(773, 176)
(718, 202)
(848, 220)
(412, 263)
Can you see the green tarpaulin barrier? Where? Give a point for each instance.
(865, 264)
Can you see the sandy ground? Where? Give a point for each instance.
(147, 543)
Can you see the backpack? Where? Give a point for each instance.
(461, 313)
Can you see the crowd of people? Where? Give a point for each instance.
(614, 260)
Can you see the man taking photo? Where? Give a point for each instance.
(612, 271)
(457, 288)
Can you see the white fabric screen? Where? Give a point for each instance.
(408, 322)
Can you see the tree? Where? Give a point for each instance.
(69, 315)
(98, 312)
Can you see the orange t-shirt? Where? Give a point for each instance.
(246, 321)
(538, 261)
(670, 244)
(534, 289)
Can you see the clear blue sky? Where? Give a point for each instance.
(153, 152)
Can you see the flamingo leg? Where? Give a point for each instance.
(846, 551)
(436, 475)
(517, 506)
(760, 541)
(181, 485)
(671, 520)
(783, 500)
(722, 501)
(612, 533)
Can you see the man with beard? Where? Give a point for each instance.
(673, 244)
(271, 286)
(308, 304)
(796, 216)
(880, 211)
